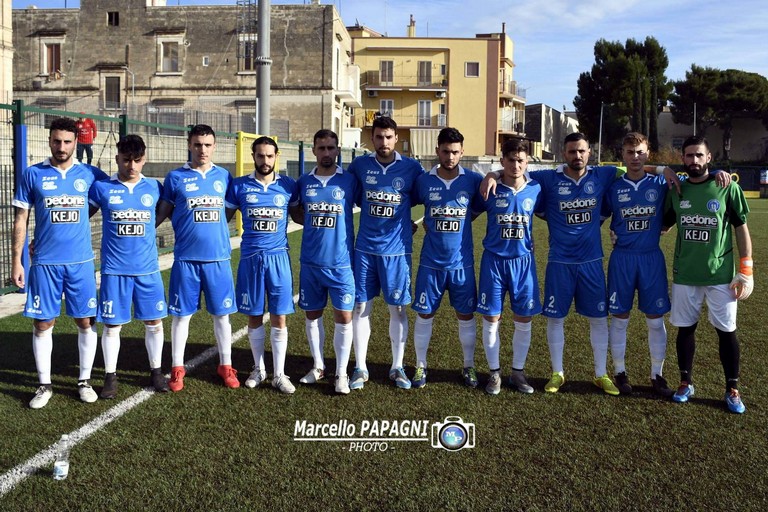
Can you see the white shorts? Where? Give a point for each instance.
(687, 301)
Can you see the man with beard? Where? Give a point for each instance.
(57, 189)
(384, 246)
(327, 195)
(449, 194)
(264, 199)
(703, 266)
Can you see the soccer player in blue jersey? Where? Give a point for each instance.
(636, 203)
(264, 199)
(193, 197)
(449, 194)
(57, 189)
(509, 266)
(328, 195)
(384, 246)
(130, 272)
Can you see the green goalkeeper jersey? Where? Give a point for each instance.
(704, 213)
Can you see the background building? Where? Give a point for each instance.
(6, 52)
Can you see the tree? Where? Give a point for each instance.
(719, 97)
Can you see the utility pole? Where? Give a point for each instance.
(264, 69)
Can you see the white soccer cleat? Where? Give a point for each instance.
(342, 384)
(256, 377)
(87, 394)
(42, 395)
(283, 384)
(314, 375)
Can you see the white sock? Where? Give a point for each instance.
(222, 329)
(521, 342)
(279, 339)
(556, 342)
(598, 337)
(87, 343)
(154, 337)
(42, 347)
(422, 333)
(342, 344)
(361, 332)
(468, 338)
(491, 343)
(110, 347)
(657, 343)
(256, 339)
(398, 334)
(618, 337)
(316, 339)
(179, 335)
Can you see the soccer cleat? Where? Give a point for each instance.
(733, 401)
(555, 382)
(683, 393)
(256, 377)
(342, 384)
(622, 383)
(109, 391)
(177, 378)
(420, 377)
(518, 381)
(401, 381)
(86, 392)
(494, 383)
(469, 376)
(314, 375)
(158, 380)
(42, 395)
(606, 385)
(228, 375)
(660, 387)
(359, 378)
(283, 384)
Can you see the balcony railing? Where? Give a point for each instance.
(400, 80)
(364, 118)
(512, 121)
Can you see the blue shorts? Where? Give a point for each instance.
(118, 292)
(265, 276)
(315, 284)
(584, 282)
(517, 276)
(645, 272)
(189, 278)
(390, 274)
(431, 284)
(47, 283)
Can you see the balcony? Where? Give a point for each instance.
(373, 80)
(348, 87)
(364, 118)
(512, 121)
(510, 90)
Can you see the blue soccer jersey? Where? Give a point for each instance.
(448, 207)
(60, 201)
(128, 211)
(572, 210)
(264, 208)
(199, 218)
(510, 219)
(328, 235)
(637, 208)
(385, 206)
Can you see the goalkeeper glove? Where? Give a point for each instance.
(743, 282)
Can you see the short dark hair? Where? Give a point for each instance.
(513, 147)
(384, 122)
(131, 146)
(634, 139)
(450, 136)
(325, 134)
(64, 124)
(695, 140)
(200, 129)
(575, 137)
(264, 140)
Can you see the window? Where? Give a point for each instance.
(442, 69)
(387, 108)
(425, 72)
(113, 19)
(51, 60)
(247, 52)
(169, 53)
(112, 93)
(386, 72)
(472, 69)
(206, 61)
(425, 113)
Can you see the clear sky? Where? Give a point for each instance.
(554, 39)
